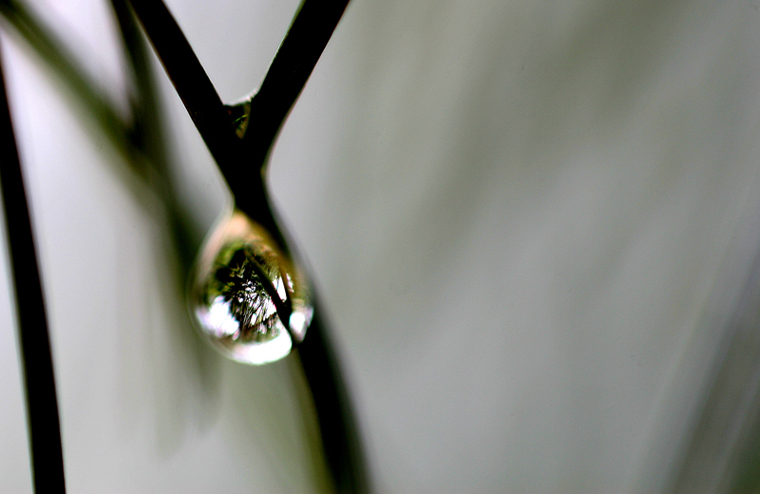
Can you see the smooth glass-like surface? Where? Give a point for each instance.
(248, 298)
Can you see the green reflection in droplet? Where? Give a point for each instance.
(248, 298)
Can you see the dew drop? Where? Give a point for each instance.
(248, 298)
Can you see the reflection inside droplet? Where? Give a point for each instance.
(249, 299)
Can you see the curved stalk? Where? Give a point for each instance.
(42, 404)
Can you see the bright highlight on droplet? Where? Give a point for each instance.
(248, 298)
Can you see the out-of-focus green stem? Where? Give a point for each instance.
(73, 76)
(148, 135)
(139, 141)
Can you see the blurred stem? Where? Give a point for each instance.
(148, 133)
(72, 74)
(141, 143)
(39, 380)
(721, 452)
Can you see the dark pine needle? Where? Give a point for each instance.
(37, 363)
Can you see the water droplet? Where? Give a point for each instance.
(247, 296)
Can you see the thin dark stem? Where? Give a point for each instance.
(191, 82)
(298, 55)
(337, 424)
(42, 405)
(287, 76)
(211, 117)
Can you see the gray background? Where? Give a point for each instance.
(520, 216)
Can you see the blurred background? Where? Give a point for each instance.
(534, 226)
